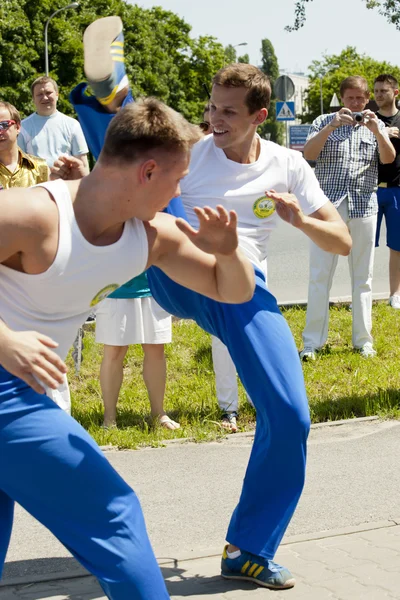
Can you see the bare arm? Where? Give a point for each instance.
(315, 144)
(84, 160)
(207, 261)
(26, 354)
(386, 150)
(29, 356)
(68, 168)
(324, 227)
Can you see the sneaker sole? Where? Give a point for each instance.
(97, 40)
(289, 584)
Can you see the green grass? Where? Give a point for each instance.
(340, 383)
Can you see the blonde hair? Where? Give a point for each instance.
(14, 113)
(145, 126)
(42, 81)
(249, 77)
(355, 82)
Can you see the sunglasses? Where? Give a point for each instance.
(4, 125)
(204, 126)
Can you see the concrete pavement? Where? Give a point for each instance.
(350, 564)
(344, 541)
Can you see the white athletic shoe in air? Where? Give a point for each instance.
(394, 301)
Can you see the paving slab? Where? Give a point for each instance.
(340, 566)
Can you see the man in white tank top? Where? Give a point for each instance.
(94, 234)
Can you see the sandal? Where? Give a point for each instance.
(228, 421)
(166, 422)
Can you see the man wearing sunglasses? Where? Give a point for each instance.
(17, 169)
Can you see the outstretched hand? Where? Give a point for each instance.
(288, 208)
(217, 233)
(29, 356)
(67, 168)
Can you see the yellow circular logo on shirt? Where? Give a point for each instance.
(104, 293)
(263, 207)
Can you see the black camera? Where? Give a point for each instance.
(358, 117)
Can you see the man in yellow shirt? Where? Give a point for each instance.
(17, 169)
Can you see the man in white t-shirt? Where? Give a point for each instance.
(217, 177)
(233, 161)
(48, 133)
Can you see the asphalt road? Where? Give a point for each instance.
(288, 267)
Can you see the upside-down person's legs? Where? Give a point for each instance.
(56, 471)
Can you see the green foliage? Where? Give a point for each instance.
(269, 66)
(334, 69)
(229, 54)
(162, 59)
(244, 59)
(388, 8)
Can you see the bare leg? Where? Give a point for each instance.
(154, 376)
(111, 375)
(394, 272)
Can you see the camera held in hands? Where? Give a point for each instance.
(358, 117)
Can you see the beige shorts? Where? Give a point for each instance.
(125, 321)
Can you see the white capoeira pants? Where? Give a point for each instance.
(322, 269)
(226, 384)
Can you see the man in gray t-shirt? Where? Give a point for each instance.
(48, 133)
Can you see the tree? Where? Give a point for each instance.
(269, 66)
(244, 59)
(388, 8)
(229, 54)
(162, 59)
(334, 69)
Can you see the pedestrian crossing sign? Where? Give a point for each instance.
(285, 111)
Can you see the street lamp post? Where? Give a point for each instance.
(46, 47)
(321, 98)
(236, 46)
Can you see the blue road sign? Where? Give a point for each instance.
(298, 136)
(285, 111)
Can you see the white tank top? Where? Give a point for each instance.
(57, 302)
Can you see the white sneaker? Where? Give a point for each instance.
(394, 301)
(367, 351)
(308, 353)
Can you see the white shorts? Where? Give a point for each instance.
(125, 321)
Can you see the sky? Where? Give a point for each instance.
(331, 26)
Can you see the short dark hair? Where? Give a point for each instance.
(354, 82)
(42, 81)
(144, 126)
(250, 77)
(386, 78)
(14, 113)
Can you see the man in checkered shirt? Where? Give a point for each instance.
(347, 146)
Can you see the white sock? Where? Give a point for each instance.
(234, 554)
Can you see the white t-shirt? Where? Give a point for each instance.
(49, 137)
(214, 179)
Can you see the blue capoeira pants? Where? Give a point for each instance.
(263, 350)
(53, 468)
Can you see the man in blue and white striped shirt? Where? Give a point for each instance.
(347, 147)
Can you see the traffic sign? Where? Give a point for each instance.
(285, 111)
(284, 88)
(298, 136)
